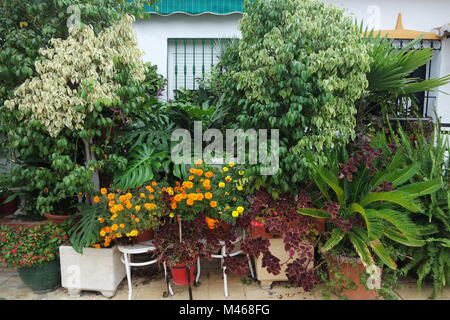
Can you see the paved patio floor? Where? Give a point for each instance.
(148, 284)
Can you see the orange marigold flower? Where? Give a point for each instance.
(199, 172)
(188, 184)
(128, 205)
(111, 203)
(101, 220)
(198, 162)
(209, 174)
(103, 191)
(128, 196)
(111, 196)
(96, 199)
(189, 202)
(173, 206)
(200, 196)
(154, 184)
(191, 178)
(208, 195)
(96, 246)
(122, 225)
(114, 227)
(192, 170)
(213, 204)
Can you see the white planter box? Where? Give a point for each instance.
(277, 249)
(95, 270)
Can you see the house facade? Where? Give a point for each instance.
(181, 35)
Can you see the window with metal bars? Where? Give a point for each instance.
(189, 61)
(424, 100)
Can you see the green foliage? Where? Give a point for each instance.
(69, 161)
(370, 201)
(28, 25)
(390, 77)
(288, 73)
(85, 232)
(431, 261)
(25, 247)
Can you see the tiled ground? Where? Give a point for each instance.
(149, 284)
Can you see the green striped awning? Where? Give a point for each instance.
(197, 7)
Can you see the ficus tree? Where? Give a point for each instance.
(299, 67)
(63, 120)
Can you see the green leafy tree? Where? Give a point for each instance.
(299, 67)
(63, 121)
(28, 25)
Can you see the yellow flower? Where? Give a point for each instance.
(240, 188)
(241, 173)
(213, 204)
(128, 196)
(232, 164)
(96, 199)
(208, 195)
(102, 233)
(136, 220)
(114, 227)
(137, 208)
(169, 191)
(23, 24)
(221, 184)
(103, 191)
(224, 169)
(114, 216)
(240, 209)
(171, 215)
(142, 195)
(122, 225)
(235, 214)
(134, 233)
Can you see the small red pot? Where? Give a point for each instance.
(180, 274)
(145, 235)
(258, 229)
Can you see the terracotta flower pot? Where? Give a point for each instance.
(351, 269)
(180, 274)
(8, 208)
(257, 229)
(56, 219)
(145, 235)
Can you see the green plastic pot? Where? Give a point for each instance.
(42, 278)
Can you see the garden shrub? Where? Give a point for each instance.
(299, 68)
(62, 122)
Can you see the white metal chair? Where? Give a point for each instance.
(144, 247)
(223, 253)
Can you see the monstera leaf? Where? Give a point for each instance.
(145, 163)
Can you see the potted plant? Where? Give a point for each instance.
(180, 249)
(63, 210)
(34, 252)
(130, 216)
(367, 198)
(281, 241)
(216, 192)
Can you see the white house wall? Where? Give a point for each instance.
(423, 15)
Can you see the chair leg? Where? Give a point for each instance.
(128, 270)
(225, 279)
(166, 276)
(251, 266)
(197, 278)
